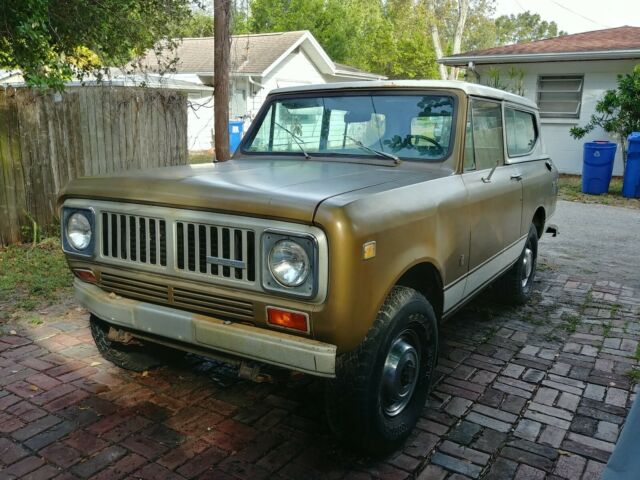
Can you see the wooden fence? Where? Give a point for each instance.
(47, 139)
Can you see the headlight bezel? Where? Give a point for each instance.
(307, 289)
(67, 246)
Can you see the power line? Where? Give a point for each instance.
(579, 14)
(521, 7)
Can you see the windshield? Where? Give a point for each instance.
(409, 126)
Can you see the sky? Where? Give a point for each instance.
(575, 16)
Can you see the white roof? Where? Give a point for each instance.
(466, 87)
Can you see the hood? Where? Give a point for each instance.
(279, 189)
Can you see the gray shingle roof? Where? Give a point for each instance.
(250, 54)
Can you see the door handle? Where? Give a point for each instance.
(516, 176)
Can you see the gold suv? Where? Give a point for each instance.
(353, 218)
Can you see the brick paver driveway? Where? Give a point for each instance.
(528, 393)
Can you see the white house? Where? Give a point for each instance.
(259, 63)
(566, 76)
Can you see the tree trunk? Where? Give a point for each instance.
(221, 63)
(435, 37)
(463, 10)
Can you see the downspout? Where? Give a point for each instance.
(472, 67)
(253, 82)
(257, 84)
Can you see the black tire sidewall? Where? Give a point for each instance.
(532, 242)
(418, 314)
(512, 292)
(353, 400)
(134, 358)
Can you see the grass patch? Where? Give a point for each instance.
(570, 322)
(32, 274)
(200, 157)
(553, 337)
(606, 329)
(634, 376)
(35, 320)
(570, 188)
(637, 354)
(614, 309)
(588, 299)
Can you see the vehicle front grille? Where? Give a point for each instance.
(217, 251)
(136, 239)
(186, 299)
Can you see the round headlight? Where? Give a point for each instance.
(289, 263)
(78, 231)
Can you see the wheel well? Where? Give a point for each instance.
(425, 279)
(538, 220)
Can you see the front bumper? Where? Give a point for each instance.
(204, 332)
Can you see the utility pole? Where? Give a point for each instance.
(221, 64)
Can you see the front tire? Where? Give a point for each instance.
(137, 358)
(517, 282)
(381, 388)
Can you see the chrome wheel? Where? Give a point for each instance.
(400, 374)
(527, 264)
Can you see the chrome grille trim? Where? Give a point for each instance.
(157, 291)
(215, 250)
(145, 243)
(172, 216)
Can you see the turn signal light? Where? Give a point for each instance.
(288, 319)
(85, 275)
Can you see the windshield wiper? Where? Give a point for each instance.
(380, 153)
(295, 139)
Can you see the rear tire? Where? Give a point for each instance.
(381, 387)
(517, 282)
(137, 358)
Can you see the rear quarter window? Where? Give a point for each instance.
(522, 131)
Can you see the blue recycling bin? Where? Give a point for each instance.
(236, 128)
(631, 182)
(597, 166)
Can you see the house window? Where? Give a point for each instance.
(560, 96)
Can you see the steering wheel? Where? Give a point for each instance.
(428, 139)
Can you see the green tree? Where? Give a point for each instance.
(386, 37)
(524, 27)
(458, 26)
(52, 41)
(200, 24)
(326, 19)
(617, 112)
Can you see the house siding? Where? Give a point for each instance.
(296, 69)
(599, 76)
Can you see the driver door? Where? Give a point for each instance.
(494, 196)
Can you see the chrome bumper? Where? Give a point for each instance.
(268, 346)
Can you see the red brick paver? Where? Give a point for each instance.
(535, 392)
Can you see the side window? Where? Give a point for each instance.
(486, 122)
(522, 132)
(469, 157)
